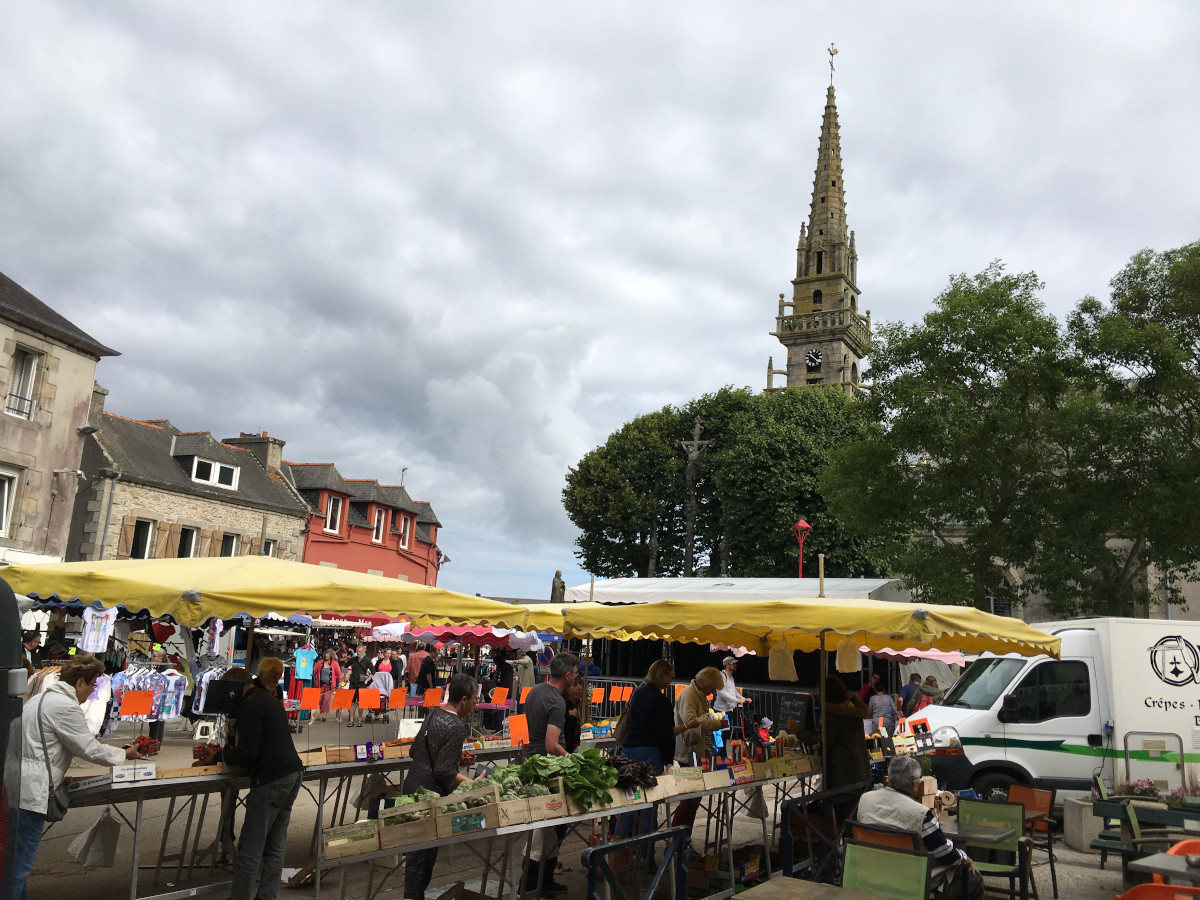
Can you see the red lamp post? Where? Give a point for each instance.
(801, 530)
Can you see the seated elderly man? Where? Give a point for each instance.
(897, 806)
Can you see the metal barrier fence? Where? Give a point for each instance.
(629, 879)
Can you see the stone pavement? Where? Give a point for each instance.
(57, 876)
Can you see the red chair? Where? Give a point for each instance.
(1153, 891)
(1183, 848)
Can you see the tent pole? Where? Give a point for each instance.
(821, 700)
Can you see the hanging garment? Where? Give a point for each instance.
(97, 628)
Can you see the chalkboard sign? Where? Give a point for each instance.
(798, 707)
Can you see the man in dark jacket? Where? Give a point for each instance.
(360, 674)
(264, 746)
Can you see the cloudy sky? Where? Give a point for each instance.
(471, 239)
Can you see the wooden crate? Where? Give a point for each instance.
(551, 806)
(513, 812)
(350, 840)
(665, 788)
(313, 757)
(689, 779)
(397, 751)
(479, 818)
(339, 754)
(393, 833)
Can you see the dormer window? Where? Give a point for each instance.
(333, 514)
(205, 471)
(381, 518)
(405, 526)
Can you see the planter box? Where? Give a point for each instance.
(1080, 826)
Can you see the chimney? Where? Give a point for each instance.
(96, 410)
(267, 450)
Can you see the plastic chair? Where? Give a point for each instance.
(1183, 848)
(1041, 831)
(885, 872)
(883, 836)
(1151, 891)
(1001, 860)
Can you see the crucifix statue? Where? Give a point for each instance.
(694, 448)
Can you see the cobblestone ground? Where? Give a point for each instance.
(57, 876)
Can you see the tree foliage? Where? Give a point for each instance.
(756, 478)
(1016, 458)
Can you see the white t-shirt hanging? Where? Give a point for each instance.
(97, 627)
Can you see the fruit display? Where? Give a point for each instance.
(205, 751)
(146, 746)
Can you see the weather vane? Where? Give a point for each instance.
(832, 54)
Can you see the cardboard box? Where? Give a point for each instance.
(744, 773)
(718, 779)
(574, 808)
(394, 833)
(666, 787)
(82, 782)
(339, 754)
(313, 757)
(139, 771)
(350, 840)
(496, 744)
(747, 864)
(688, 779)
(634, 795)
(477, 818)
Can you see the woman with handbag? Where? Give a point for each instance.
(53, 732)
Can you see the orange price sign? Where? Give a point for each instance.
(518, 730)
(627, 692)
(679, 689)
(525, 693)
(597, 695)
(433, 697)
(136, 703)
(499, 695)
(614, 692)
(310, 698)
(342, 698)
(368, 698)
(396, 698)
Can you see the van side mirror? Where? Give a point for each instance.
(1008, 709)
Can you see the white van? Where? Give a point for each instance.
(1123, 702)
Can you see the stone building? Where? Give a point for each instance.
(50, 369)
(821, 329)
(365, 526)
(155, 492)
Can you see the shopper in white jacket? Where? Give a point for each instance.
(57, 709)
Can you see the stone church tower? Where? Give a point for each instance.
(821, 328)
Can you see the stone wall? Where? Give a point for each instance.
(132, 501)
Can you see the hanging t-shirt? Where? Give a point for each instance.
(304, 660)
(97, 627)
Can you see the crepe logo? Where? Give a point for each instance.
(1175, 660)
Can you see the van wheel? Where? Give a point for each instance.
(993, 786)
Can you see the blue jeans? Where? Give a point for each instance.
(264, 838)
(24, 837)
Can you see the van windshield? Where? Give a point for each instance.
(982, 682)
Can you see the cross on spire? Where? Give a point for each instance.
(832, 53)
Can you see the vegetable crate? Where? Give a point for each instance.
(412, 823)
(475, 810)
(550, 806)
(350, 840)
(513, 812)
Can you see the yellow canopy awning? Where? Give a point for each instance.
(877, 624)
(191, 591)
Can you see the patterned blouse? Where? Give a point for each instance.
(436, 752)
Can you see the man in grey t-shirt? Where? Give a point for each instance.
(545, 714)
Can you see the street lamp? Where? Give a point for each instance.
(801, 530)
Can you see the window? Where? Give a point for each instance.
(405, 524)
(229, 544)
(9, 479)
(19, 402)
(206, 471)
(268, 547)
(142, 545)
(1053, 690)
(818, 298)
(820, 261)
(381, 518)
(187, 543)
(333, 514)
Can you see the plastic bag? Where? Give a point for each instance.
(97, 846)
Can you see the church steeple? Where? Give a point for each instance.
(824, 335)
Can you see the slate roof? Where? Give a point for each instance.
(142, 451)
(17, 303)
(316, 477)
(425, 514)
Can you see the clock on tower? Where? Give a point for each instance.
(812, 359)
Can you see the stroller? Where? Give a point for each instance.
(382, 682)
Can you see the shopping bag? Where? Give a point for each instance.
(97, 846)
